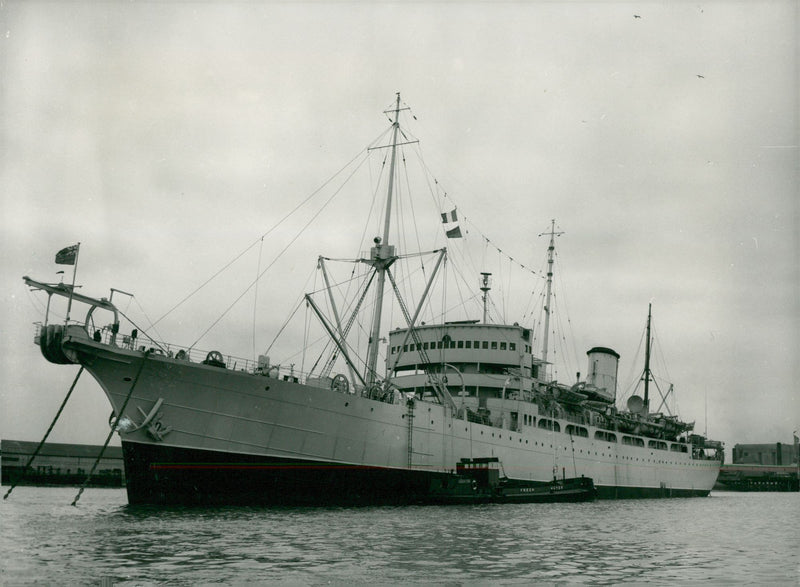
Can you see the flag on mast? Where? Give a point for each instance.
(450, 218)
(67, 255)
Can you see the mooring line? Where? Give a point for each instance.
(111, 432)
(41, 444)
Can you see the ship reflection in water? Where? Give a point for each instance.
(728, 537)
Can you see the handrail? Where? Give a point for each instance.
(191, 355)
(68, 291)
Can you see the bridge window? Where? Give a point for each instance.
(502, 346)
(512, 346)
(461, 344)
(486, 344)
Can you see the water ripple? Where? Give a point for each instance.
(724, 539)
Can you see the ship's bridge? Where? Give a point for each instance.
(485, 355)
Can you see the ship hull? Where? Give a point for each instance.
(198, 434)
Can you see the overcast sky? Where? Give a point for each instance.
(168, 137)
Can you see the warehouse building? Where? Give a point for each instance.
(60, 464)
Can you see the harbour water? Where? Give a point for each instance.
(726, 538)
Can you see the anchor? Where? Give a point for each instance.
(155, 428)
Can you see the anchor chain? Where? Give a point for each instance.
(111, 432)
(46, 434)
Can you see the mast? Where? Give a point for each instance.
(381, 257)
(550, 251)
(646, 374)
(485, 287)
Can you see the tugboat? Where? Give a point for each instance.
(479, 480)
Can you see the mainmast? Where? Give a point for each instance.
(381, 257)
(550, 251)
(646, 373)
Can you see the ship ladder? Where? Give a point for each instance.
(113, 429)
(46, 434)
(410, 404)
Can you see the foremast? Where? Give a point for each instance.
(381, 257)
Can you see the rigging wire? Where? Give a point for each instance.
(270, 230)
(255, 296)
(152, 325)
(462, 217)
(291, 242)
(143, 331)
(572, 338)
(410, 292)
(634, 380)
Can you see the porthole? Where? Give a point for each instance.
(127, 379)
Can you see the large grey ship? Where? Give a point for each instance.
(209, 428)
